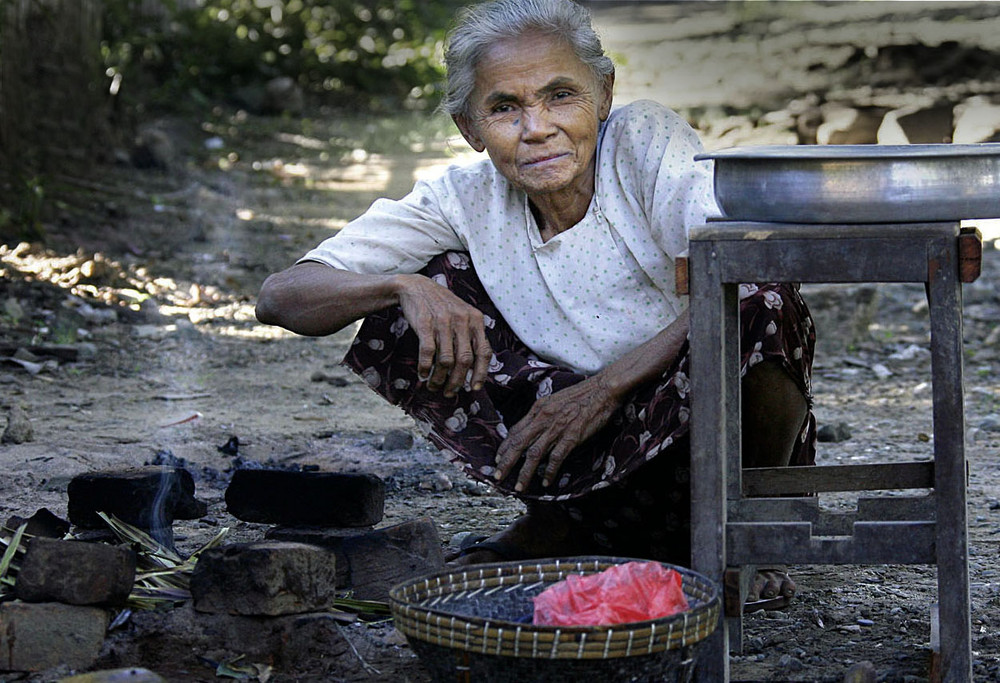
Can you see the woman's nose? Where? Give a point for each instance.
(536, 123)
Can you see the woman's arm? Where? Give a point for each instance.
(315, 299)
(558, 423)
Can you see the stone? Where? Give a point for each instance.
(791, 663)
(76, 573)
(436, 481)
(147, 497)
(282, 94)
(917, 125)
(397, 440)
(43, 635)
(130, 675)
(19, 429)
(976, 122)
(310, 644)
(861, 672)
(42, 523)
(306, 498)
(265, 578)
(990, 423)
(833, 433)
(153, 149)
(370, 563)
(843, 125)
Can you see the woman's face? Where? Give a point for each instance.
(536, 110)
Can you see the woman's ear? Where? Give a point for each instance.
(468, 131)
(607, 89)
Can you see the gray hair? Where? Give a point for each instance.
(483, 25)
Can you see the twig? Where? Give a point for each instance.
(365, 665)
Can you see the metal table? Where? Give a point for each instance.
(742, 518)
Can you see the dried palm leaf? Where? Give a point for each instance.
(6, 561)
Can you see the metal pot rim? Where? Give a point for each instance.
(852, 152)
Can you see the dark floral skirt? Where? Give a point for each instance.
(629, 482)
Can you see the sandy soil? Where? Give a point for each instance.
(151, 275)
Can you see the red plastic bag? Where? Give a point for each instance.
(633, 591)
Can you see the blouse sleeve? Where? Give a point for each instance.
(655, 158)
(392, 236)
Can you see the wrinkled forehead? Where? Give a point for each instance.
(529, 57)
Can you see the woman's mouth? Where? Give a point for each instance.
(545, 159)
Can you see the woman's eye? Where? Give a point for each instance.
(562, 94)
(502, 109)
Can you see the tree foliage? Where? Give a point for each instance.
(376, 53)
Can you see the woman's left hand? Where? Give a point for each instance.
(555, 425)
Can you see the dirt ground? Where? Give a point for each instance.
(151, 276)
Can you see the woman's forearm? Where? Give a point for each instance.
(314, 299)
(647, 361)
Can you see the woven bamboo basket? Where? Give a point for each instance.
(474, 624)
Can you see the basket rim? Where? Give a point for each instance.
(398, 603)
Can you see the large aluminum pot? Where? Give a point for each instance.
(858, 183)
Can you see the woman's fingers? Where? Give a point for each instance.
(484, 356)
(452, 337)
(550, 431)
(540, 437)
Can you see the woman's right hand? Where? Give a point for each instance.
(452, 335)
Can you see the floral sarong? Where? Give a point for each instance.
(629, 483)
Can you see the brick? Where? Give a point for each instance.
(130, 675)
(266, 578)
(369, 563)
(43, 523)
(43, 635)
(146, 497)
(306, 498)
(76, 573)
(308, 644)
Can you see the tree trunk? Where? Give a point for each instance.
(52, 116)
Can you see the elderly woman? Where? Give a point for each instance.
(523, 308)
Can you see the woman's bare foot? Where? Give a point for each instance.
(543, 531)
(772, 588)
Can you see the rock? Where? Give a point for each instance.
(39, 636)
(13, 310)
(436, 482)
(843, 125)
(306, 498)
(332, 380)
(147, 497)
(282, 94)
(791, 663)
(153, 149)
(976, 122)
(370, 563)
(76, 573)
(833, 433)
(990, 423)
(917, 125)
(881, 371)
(131, 675)
(397, 440)
(19, 429)
(266, 578)
(861, 672)
(97, 316)
(309, 644)
(43, 523)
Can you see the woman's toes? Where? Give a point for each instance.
(770, 583)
